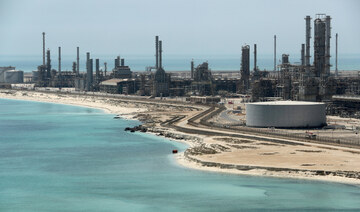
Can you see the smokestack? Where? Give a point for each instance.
(43, 48)
(87, 60)
(327, 44)
(307, 40)
(160, 54)
(59, 60)
(157, 51)
(97, 68)
(122, 62)
(274, 52)
(77, 61)
(117, 61)
(74, 67)
(336, 59)
(303, 54)
(105, 65)
(48, 63)
(255, 59)
(192, 69)
(89, 72)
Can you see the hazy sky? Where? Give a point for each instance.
(191, 27)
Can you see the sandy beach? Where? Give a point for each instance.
(219, 151)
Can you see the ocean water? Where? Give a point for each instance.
(65, 158)
(29, 63)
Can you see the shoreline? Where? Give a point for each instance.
(189, 139)
(183, 162)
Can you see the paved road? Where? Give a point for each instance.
(229, 118)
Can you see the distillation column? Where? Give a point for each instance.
(307, 40)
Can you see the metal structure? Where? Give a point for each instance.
(192, 69)
(77, 61)
(59, 69)
(255, 58)
(160, 54)
(327, 45)
(97, 69)
(336, 59)
(105, 68)
(307, 40)
(43, 34)
(322, 45)
(285, 59)
(274, 52)
(156, 52)
(48, 63)
(89, 72)
(245, 68)
(161, 80)
(302, 54)
(286, 114)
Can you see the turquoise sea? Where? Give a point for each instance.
(65, 158)
(29, 63)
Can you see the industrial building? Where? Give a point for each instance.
(203, 82)
(286, 114)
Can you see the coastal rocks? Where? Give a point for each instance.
(136, 128)
(172, 135)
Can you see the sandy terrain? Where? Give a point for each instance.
(254, 155)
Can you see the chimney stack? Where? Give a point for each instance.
(87, 60)
(117, 61)
(157, 51)
(160, 54)
(303, 54)
(59, 60)
(336, 59)
(255, 58)
(192, 69)
(77, 61)
(48, 63)
(274, 52)
(97, 69)
(43, 48)
(307, 40)
(122, 62)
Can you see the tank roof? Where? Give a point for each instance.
(287, 103)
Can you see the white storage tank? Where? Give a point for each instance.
(286, 114)
(14, 76)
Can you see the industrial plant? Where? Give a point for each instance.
(310, 82)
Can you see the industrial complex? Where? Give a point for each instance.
(306, 82)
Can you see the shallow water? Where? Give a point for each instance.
(66, 158)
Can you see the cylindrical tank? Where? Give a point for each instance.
(285, 59)
(35, 76)
(285, 114)
(14, 76)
